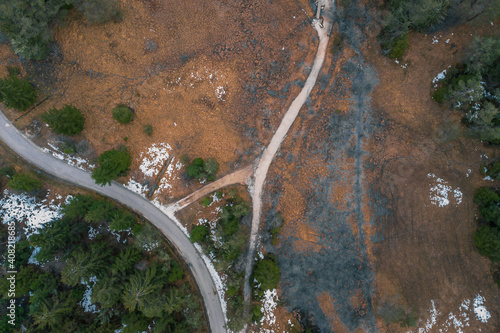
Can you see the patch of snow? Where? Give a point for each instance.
(269, 304)
(23, 208)
(440, 76)
(439, 191)
(137, 188)
(154, 158)
(468, 172)
(434, 40)
(75, 161)
(480, 310)
(86, 302)
(92, 233)
(488, 178)
(32, 260)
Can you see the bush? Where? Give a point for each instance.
(16, 93)
(148, 130)
(206, 201)
(267, 273)
(492, 170)
(123, 114)
(203, 170)
(112, 164)
(68, 120)
(199, 234)
(24, 182)
(440, 94)
(399, 46)
(487, 241)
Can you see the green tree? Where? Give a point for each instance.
(112, 164)
(68, 120)
(121, 220)
(16, 93)
(100, 211)
(481, 54)
(77, 207)
(492, 170)
(195, 169)
(211, 167)
(140, 287)
(51, 312)
(83, 265)
(24, 182)
(125, 260)
(267, 272)
(487, 241)
(123, 114)
(107, 292)
(199, 234)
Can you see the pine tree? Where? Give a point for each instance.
(16, 93)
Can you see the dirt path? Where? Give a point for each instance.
(241, 176)
(279, 136)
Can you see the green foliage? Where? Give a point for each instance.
(68, 120)
(121, 220)
(267, 273)
(489, 205)
(125, 260)
(107, 292)
(275, 227)
(148, 130)
(487, 241)
(24, 182)
(206, 201)
(203, 170)
(492, 170)
(337, 44)
(139, 287)
(100, 11)
(16, 93)
(84, 264)
(440, 94)
(176, 273)
(26, 23)
(199, 234)
(100, 211)
(257, 314)
(78, 207)
(123, 114)
(472, 87)
(404, 16)
(112, 164)
(7, 170)
(399, 46)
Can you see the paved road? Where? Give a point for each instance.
(34, 155)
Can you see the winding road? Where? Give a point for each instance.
(26, 149)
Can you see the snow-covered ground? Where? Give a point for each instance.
(458, 322)
(75, 161)
(441, 192)
(23, 208)
(152, 161)
(269, 304)
(86, 302)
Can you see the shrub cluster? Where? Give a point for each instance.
(123, 114)
(472, 87)
(68, 120)
(17, 93)
(487, 237)
(112, 164)
(29, 23)
(404, 16)
(202, 170)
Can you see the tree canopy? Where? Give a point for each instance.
(67, 120)
(112, 164)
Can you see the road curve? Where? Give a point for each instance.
(34, 155)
